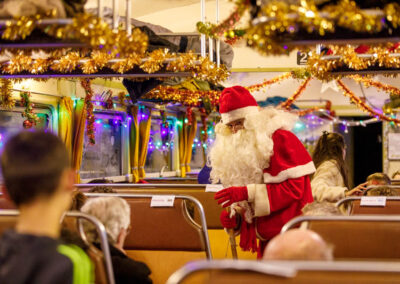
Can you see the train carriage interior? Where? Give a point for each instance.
(199, 141)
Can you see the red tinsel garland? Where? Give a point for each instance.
(286, 104)
(90, 129)
(361, 104)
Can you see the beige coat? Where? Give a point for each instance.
(327, 183)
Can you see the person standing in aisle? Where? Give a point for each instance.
(262, 165)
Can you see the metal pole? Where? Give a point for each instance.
(203, 20)
(128, 17)
(218, 43)
(100, 8)
(210, 49)
(115, 20)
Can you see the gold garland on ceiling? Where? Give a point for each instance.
(382, 57)
(285, 21)
(200, 67)
(85, 28)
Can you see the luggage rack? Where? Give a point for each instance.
(39, 40)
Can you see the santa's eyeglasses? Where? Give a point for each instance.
(236, 125)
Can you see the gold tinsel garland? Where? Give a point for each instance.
(226, 26)
(291, 21)
(195, 98)
(85, 28)
(200, 67)
(321, 67)
(7, 100)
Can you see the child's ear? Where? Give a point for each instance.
(70, 179)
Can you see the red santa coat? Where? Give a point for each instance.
(286, 187)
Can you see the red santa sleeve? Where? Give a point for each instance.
(285, 177)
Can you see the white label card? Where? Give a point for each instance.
(373, 201)
(162, 201)
(214, 187)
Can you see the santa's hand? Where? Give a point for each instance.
(231, 195)
(226, 221)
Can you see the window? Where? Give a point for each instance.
(199, 148)
(104, 159)
(11, 122)
(309, 128)
(160, 148)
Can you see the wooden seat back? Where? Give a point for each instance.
(356, 237)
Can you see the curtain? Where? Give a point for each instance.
(190, 134)
(134, 144)
(182, 138)
(78, 136)
(144, 136)
(65, 110)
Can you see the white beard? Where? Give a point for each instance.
(239, 159)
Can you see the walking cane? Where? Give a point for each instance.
(232, 241)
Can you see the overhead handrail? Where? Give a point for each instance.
(101, 231)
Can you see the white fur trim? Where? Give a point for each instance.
(237, 114)
(258, 197)
(294, 172)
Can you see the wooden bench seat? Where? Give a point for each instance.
(287, 272)
(165, 238)
(356, 237)
(392, 206)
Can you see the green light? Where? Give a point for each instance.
(186, 120)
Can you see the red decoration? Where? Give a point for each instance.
(31, 117)
(361, 104)
(361, 49)
(27, 124)
(203, 117)
(189, 115)
(87, 86)
(287, 104)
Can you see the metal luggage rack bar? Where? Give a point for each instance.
(115, 24)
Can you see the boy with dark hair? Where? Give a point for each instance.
(39, 180)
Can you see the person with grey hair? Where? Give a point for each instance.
(114, 213)
(323, 208)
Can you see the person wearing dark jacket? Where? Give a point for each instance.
(39, 180)
(114, 213)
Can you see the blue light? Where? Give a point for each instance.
(299, 126)
(98, 121)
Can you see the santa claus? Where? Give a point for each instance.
(263, 166)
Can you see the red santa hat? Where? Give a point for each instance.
(235, 103)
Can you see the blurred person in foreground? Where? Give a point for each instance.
(39, 180)
(298, 244)
(115, 214)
